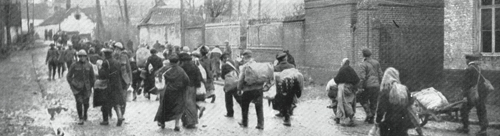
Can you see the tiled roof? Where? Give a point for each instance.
(59, 16)
(161, 16)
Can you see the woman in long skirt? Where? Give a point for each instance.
(173, 98)
(346, 98)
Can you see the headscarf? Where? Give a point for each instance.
(344, 61)
(398, 93)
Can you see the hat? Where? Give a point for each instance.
(185, 48)
(119, 45)
(81, 53)
(52, 45)
(474, 56)
(367, 53)
(173, 58)
(249, 52)
(106, 50)
(281, 56)
(185, 57)
(153, 51)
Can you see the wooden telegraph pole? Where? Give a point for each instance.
(182, 23)
(100, 24)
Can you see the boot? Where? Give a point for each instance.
(287, 122)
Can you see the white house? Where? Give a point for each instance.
(160, 24)
(66, 20)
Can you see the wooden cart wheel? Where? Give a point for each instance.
(423, 120)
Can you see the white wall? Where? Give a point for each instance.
(84, 25)
(150, 34)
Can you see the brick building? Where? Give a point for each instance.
(404, 34)
(472, 26)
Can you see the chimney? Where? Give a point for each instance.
(159, 3)
(68, 4)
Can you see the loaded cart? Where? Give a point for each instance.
(431, 103)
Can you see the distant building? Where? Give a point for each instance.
(65, 20)
(160, 24)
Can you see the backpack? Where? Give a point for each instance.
(231, 79)
(258, 73)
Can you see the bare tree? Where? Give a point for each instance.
(120, 7)
(127, 18)
(215, 8)
(100, 24)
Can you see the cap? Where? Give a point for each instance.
(366, 53)
(474, 56)
(249, 52)
(81, 53)
(153, 51)
(281, 56)
(185, 57)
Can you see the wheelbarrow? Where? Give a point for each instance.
(425, 114)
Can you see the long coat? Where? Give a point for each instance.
(112, 95)
(172, 100)
(81, 80)
(126, 70)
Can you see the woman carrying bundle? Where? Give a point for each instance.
(394, 106)
(346, 96)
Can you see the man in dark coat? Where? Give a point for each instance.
(111, 71)
(370, 77)
(282, 65)
(250, 93)
(81, 80)
(470, 79)
(229, 65)
(122, 56)
(156, 63)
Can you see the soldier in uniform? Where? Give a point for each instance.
(81, 80)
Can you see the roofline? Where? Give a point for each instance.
(157, 24)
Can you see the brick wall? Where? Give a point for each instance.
(194, 37)
(410, 38)
(328, 37)
(294, 40)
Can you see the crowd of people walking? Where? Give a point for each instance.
(183, 79)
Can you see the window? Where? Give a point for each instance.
(490, 26)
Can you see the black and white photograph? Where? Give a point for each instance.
(249, 67)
